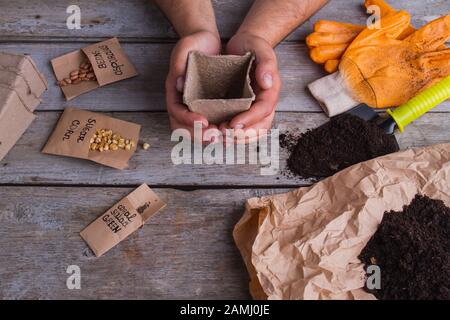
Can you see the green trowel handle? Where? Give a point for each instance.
(420, 104)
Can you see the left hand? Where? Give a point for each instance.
(267, 86)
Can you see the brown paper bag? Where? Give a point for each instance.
(218, 87)
(109, 62)
(20, 72)
(305, 244)
(15, 118)
(21, 86)
(75, 129)
(122, 219)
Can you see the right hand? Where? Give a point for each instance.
(179, 115)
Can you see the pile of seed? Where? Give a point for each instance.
(105, 140)
(84, 73)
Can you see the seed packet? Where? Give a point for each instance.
(91, 67)
(21, 86)
(124, 218)
(218, 87)
(94, 136)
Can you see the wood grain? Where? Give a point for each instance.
(141, 20)
(184, 252)
(26, 165)
(146, 91)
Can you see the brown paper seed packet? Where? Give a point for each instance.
(15, 118)
(77, 131)
(108, 62)
(218, 87)
(19, 71)
(21, 86)
(125, 217)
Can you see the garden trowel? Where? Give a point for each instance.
(408, 112)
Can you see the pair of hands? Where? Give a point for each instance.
(266, 83)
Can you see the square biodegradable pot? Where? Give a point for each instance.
(218, 87)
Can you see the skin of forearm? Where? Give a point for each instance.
(189, 16)
(273, 20)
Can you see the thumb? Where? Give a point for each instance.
(266, 67)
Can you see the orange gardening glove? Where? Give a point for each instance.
(330, 39)
(382, 71)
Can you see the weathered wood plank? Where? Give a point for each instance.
(26, 165)
(46, 19)
(146, 91)
(184, 252)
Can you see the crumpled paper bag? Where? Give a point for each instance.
(304, 244)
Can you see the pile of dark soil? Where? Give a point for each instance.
(343, 141)
(412, 249)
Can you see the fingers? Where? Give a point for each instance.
(209, 134)
(435, 64)
(336, 27)
(331, 66)
(177, 109)
(264, 106)
(431, 36)
(248, 134)
(322, 54)
(392, 27)
(266, 65)
(318, 39)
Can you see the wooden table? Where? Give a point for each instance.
(187, 251)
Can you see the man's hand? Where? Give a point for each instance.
(267, 23)
(195, 23)
(179, 114)
(266, 84)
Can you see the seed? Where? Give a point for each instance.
(67, 80)
(90, 75)
(62, 83)
(103, 140)
(145, 146)
(74, 73)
